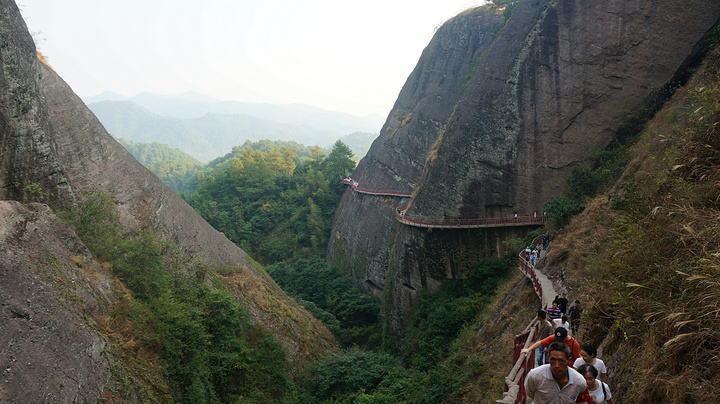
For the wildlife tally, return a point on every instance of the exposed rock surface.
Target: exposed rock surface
(489, 124)
(50, 288)
(53, 149)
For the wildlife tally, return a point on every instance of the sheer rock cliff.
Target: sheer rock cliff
(492, 120)
(53, 150)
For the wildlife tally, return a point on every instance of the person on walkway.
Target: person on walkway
(574, 313)
(562, 303)
(545, 329)
(599, 391)
(554, 311)
(556, 383)
(559, 336)
(588, 354)
(562, 322)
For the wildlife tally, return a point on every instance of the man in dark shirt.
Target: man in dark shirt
(562, 303)
(574, 313)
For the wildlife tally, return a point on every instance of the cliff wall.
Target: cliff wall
(492, 121)
(53, 150)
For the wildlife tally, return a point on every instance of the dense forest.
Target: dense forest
(274, 201)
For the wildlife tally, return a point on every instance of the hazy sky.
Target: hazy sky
(346, 56)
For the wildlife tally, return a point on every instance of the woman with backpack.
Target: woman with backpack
(599, 391)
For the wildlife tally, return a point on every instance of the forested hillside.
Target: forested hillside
(173, 166)
(274, 201)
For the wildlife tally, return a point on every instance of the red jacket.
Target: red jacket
(571, 342)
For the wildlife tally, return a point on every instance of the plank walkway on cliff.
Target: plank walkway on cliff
(446, 223)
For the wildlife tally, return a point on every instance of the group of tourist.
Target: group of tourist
(532, 252)
(572, 374)
(567, 372)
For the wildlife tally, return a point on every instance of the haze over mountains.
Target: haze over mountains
(207, 128)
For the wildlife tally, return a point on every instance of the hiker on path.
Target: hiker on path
(545, 329)
(588, 354)
(562, 303)
(556, 383)
(559, 336)
(574, 313)
(554, 311)
(599, 391)
(562, 322)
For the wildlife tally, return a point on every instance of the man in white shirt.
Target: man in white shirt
(556, 383)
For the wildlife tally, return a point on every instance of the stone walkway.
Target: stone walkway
(546, 284)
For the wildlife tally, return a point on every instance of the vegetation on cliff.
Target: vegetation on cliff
(644, 253)
(180, 337)
(173, 166)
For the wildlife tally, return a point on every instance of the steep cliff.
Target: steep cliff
(54, 150)
(51, 351)
(493, 119)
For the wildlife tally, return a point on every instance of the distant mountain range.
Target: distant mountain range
(207, 128)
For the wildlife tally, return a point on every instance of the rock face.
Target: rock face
(493, 119)
(54, 150)
(48, 352)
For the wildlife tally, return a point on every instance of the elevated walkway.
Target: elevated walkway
(478, 223)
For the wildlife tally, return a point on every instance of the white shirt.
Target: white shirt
(558, 323)
(541, 387)
(599, 365)
(597, 395)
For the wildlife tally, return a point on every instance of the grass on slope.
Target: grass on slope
(646, 257)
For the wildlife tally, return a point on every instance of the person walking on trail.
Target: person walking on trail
(556, 383)
(562, 322)
(562, 303)
(574, 312)
(599, 391)
(554, 311)
(545, 329)
(560, 335)
(588, 355)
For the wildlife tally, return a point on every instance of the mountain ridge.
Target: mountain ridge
(215, 132)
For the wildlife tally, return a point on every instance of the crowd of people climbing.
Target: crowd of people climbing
(567, 371)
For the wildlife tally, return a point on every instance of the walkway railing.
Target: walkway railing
(447, 223)
(354, 185)
(515, 380)
(468, 223)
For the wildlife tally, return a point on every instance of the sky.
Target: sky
(351, 57)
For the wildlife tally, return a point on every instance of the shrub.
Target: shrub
(560, 209)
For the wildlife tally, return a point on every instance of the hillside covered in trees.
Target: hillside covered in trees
(275, 201)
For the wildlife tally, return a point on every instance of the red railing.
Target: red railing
(447, 223)
(469, 223)
(523, 363)
(355, 187)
